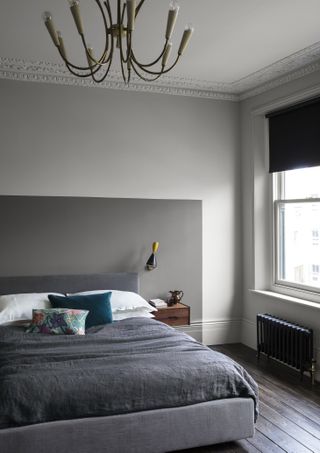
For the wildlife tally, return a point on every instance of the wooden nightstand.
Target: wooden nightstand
(176, 315)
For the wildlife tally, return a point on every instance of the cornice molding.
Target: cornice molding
(283, 71)
(293, 67)
(298, 74)
(40, 71)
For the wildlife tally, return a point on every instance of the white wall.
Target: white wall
(256, 213)
(58, 140)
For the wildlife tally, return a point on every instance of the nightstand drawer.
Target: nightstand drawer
(174, 316)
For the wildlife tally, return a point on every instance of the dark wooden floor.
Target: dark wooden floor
(289, 411)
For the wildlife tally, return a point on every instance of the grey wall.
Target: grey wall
(63, 235)
(256, 215)
(71, 141)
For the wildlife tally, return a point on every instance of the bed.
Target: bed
(160, 399)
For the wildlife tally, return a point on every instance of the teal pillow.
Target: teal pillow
(58, 321)
(98, 305)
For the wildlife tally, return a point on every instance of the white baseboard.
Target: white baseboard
(194, 330)
(249, 333)
(215, 332)
(249, 338)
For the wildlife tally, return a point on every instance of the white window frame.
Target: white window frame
(259, 234)
(317, 266)
(284, 286)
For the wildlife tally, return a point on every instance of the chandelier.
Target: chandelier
(119, 34)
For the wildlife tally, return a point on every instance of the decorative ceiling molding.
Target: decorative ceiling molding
(283, 71)
(39, 71)
(290, 68)
(286, 78)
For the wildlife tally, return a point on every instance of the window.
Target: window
(297, 229)
(316, 268)
(315, 237)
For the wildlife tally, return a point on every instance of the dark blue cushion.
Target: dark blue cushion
(98, 305)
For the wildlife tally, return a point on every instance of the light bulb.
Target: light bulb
(188, 31)
(172, 18)
(174, 5)
(46, 16)
(75, 11)
(190, 27)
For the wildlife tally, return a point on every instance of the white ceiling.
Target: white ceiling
(233, 39)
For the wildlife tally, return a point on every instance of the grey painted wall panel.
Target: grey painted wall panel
(69, 235)
(83, 142)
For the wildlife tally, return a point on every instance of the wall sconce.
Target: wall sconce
(152, 261)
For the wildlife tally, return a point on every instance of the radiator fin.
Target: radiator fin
(287, 342)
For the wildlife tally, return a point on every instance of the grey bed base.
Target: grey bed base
(155, 431)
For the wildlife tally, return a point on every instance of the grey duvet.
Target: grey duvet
(132, 365)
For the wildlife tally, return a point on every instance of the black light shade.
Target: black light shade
(294, 137)
(152, 262)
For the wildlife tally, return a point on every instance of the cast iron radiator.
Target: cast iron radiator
(287, 342)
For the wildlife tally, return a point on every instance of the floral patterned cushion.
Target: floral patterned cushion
(58, 321)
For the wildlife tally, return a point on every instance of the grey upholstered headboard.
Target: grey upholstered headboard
(69, 283)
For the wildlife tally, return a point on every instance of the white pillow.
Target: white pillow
(122, 300)
(130, 314)
(17, 307)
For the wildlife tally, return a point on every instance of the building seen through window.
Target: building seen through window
(297, 228)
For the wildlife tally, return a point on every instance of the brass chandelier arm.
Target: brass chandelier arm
(143, 77)
(97, 63)
(127, 61)
(163, 71)
(128, 39)
(102, 61)
(107, 5)
(125, 77)
(129, 49)
(104, 75)
(120, 16)
(68, 63)
(123, 13)
(139, 7)
(163, 50)
(79, 68)
(148, 65)
(105, 22)
(98, 67)
(91, 72)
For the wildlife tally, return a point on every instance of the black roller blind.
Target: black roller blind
(294, 137)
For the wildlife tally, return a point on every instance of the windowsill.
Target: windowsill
(285, 298)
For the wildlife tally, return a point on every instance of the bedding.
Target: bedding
(123, 300)
(132, 365)
(98, 306)
(18, 307)
(58, 321)
(118, 316)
